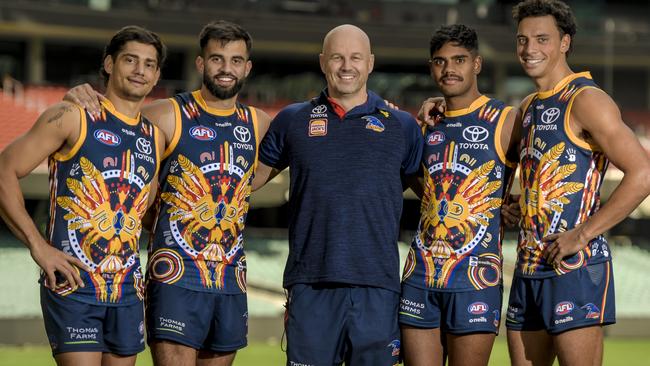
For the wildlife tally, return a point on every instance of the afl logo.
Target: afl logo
(527, 120)
(478, 308)
(550, 115)
(143, 145)
(203, 133)
(475, 133)
(319, 109)
(436, 138)
(107, 138)
(242, 134)
(564, 308)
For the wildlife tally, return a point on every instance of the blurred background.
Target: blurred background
(47, 46)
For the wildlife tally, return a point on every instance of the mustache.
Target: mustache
(227, 75)
(453, 77)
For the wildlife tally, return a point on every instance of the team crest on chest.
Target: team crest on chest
(373, 124)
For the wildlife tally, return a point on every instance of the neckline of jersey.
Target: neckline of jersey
(108, 105)
(472, 107)
(562, 83)
(215, 111)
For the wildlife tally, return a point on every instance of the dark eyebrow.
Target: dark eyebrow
(138, 57)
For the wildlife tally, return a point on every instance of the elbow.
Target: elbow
(643, 179)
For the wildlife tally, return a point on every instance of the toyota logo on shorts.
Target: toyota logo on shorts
(550, 115)
(475, 133)
(319, 109)
(143, 145)
(242, 134)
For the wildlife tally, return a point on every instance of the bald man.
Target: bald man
(347, 151)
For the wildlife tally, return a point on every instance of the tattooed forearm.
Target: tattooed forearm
(59, 114)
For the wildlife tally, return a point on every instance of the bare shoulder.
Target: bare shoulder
(263, 121)
(162, 114)
(513, 115)
(56, 130)
(63, 114)
(593, 108)
(526, 102)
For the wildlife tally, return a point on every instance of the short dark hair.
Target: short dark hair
(561, 12)
(224, 32)
(128, 34)
(459, 34)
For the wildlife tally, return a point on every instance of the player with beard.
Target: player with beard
(196, 292)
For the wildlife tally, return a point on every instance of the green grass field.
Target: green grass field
(618, 352)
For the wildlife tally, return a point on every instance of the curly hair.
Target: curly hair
(561, 12)
(459, 34)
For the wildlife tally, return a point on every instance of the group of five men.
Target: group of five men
(201, 154)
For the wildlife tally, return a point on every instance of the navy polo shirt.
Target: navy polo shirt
(345, 191)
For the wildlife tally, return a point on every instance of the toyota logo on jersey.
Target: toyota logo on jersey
(475, 133)
(242, 134)
(550, 115)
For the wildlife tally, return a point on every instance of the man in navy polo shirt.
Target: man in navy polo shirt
(347, 151)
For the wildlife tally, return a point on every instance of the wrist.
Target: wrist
(36, 243)
(584, 236)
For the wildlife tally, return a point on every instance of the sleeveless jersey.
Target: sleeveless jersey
(560, 180)
(206, 182)
(98, 195)
(457, 246)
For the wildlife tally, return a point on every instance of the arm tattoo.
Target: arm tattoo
(59, 114)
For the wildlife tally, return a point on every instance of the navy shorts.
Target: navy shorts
(580, 298)
(201, 320)
(330, 324)
(453, 312)
(74, 326)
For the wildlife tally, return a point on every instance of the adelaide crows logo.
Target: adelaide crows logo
(373, 123)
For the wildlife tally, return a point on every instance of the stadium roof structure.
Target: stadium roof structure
(400, 30)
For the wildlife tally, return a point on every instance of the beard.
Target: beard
(219, 92)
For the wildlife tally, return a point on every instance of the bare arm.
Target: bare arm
(509, 140)
(161, 113)
(150, 215)
(596, 117)
(55, 130)
(263, 172)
